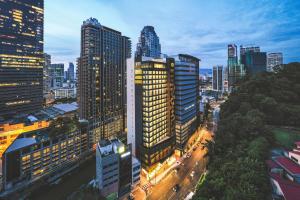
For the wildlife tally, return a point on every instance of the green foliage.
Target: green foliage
(62, 125)
(237, 157)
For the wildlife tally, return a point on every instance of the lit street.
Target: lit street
(182, 177)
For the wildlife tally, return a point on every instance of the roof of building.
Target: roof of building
(20, 143)
(66, 107)
(288, 165)
(290, 190)
(295, 152)
(271, 164)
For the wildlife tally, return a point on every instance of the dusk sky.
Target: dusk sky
(199, 28)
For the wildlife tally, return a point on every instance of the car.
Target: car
(130, 197)
(176, 188)
(192, 174)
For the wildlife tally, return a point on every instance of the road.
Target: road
(164, 191)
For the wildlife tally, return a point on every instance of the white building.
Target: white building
(274, 59)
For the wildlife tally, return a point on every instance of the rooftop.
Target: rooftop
(20, 143)
(288, 165)
(290, 190)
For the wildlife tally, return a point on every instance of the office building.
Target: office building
(218, 78)
(274, 59)
(253, 59)
(102, 78)
(71, 73)
(235, 70)
(57, 75)
(64, 92)
(186, 99)
(21, 56)
(46, 75)
(113, 168)
(136, 172)
(154, 110)
(148, 45)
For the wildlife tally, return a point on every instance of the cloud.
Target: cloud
(200, 28)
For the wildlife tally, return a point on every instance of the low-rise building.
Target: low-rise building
(113, 168)
(45, 153)
(136, 171)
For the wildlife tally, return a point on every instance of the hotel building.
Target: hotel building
(154, 110)
(102, 79)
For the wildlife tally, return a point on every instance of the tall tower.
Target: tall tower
(218, 78)
(21, 56)
(186, 99)
(102, 78)
(148, 45)
(71, 75)
(154, 110)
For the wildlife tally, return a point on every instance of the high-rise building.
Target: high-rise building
(253, 59)
(148, 45)
(21, 56)
(57, 75)
(46, 74)
(186, 99)
(218, 78)
(154, 110)
(113, 168)
(235, 71)
(71, 75)
(102, 78)
(274, 59)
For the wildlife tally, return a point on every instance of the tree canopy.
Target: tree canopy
(237, 167)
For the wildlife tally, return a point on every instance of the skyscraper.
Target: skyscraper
(102, 78)
(274, 59)
(21, 56)
(253, 59)
(186, 99)
(148, 45)
(154, 110)
(46, 74)
(218, 78)
(57, 75)
(71, 75)
(235, 70)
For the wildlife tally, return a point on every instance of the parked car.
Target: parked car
(176, 188)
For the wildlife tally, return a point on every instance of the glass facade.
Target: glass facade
(21, 56)
(148, 45)
(253, 59)
(186, 98)
(154, 118)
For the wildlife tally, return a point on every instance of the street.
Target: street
(181, 176)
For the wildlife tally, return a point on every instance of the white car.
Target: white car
(192, 174)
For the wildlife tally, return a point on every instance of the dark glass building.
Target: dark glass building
(154, 110)
(21, 56)
(186, 98)
(218, 78)
(102, 79)
(253, 59)
(236, 70)
(148, 45)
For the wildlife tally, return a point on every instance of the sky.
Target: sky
(198, 27)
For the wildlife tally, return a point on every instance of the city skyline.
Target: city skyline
(212, 27)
